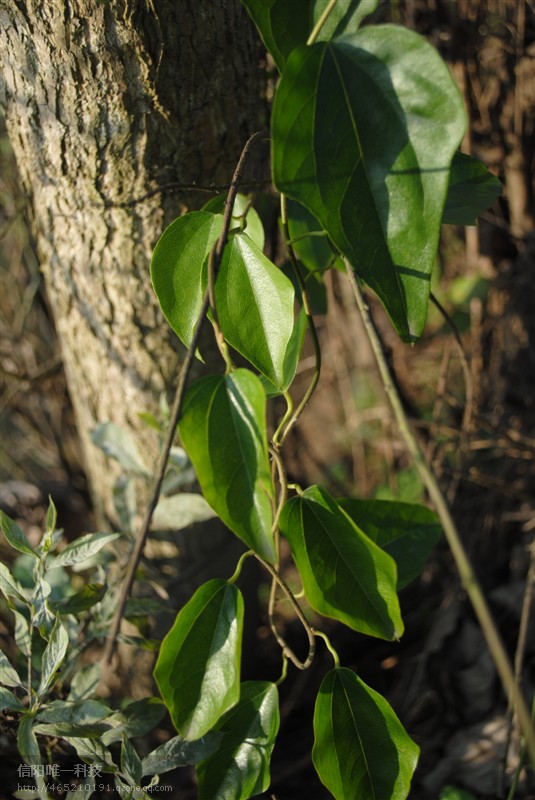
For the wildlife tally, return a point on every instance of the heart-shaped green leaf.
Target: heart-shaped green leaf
(282, 29)
(361, 749)
(345, 575)
(239, 769)
(223, 429)
(471, 190)
(179, 266)
(198, 669)
(255, 307)
(406, 531)
(364, 129)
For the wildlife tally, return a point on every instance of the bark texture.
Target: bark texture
(104, 103)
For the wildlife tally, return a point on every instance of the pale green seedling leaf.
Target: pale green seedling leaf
(223, 429)
(361, 749)
(23, 635)
(471, 190)
(179, 752)
(179, 269)
(8, 674)
(81, 712)
(239, 769)
(53, 657)
(51, 517)
(406, 531)
(255, 307)
(253, 224)
(92, 751)
(9, 701)
(86, 598)
(136, 719)
(42, 618)
(345, 575)
(364, 129)
(27, 740)
(198, 669)
(130, 762)
(119, 444)
(82, 549)
(11, 587)
(15, 537)
(90, 730)
(85, 682)
(180, 511)
(282, 29)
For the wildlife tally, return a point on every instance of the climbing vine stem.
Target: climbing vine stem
(281, 435)
(466, 572)
(176, 411)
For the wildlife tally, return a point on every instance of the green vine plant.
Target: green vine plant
(365, 130)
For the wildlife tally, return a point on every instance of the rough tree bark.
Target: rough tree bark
(105, 102)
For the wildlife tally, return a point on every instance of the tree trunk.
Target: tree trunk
(105, 103)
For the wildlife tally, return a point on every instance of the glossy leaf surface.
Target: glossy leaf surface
(361, 750)
(282, 29)
(198, 669)
(253, 224)
(239, 769)
(345, 575)
(255, 307)
(179, 268)
(406, 531)
(223, 429)
(364, 129)
(471, 190)
(291, 358)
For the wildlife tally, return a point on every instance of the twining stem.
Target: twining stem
(320, 23)
(283, 483)
(286, 649)
(239, 565)
(469, 388)
(218, 335)
(288, 413)
(330, 648)
(464, 567)
(279, 437)
(176, 411)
